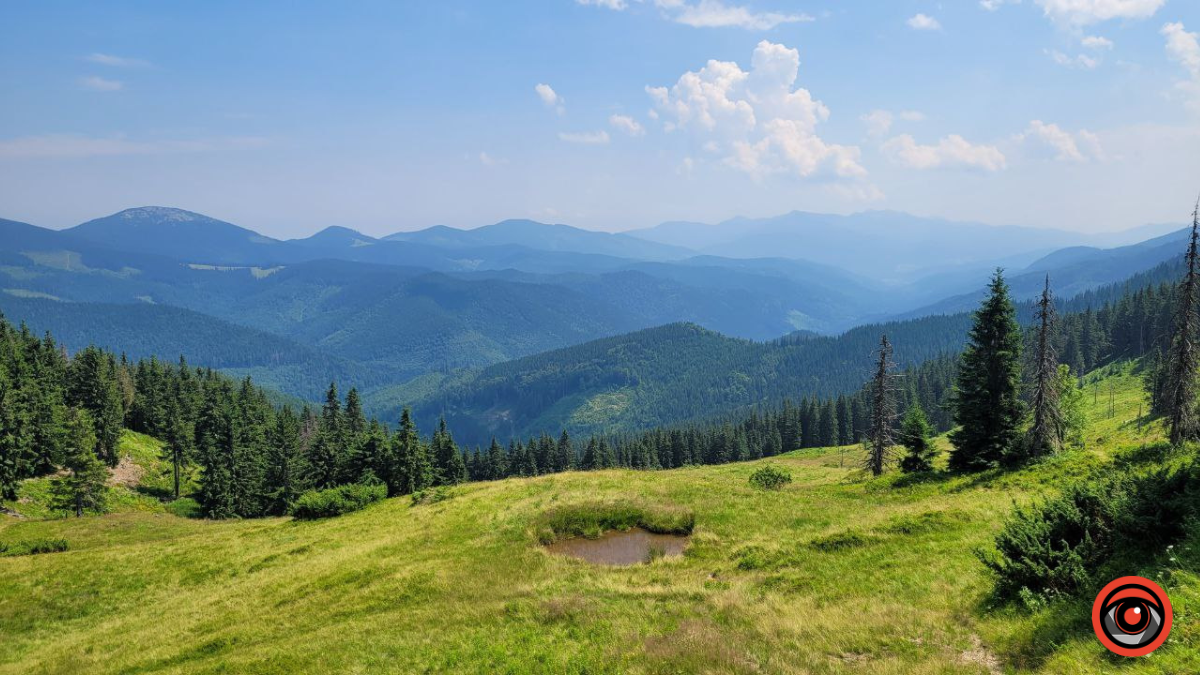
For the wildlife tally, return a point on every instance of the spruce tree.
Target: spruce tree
(284, 479)
(1183, 358)
(565, 452)
(1045, 430)
(883, 411)
(916, 437)
(326, 453)
(415, 471)
(449, 467)
(84, 488)
(987, 404)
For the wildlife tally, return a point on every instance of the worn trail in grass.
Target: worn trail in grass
(834, 573)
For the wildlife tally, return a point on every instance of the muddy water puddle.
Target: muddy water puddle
(621, 548)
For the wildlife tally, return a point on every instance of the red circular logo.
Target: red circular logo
(1132, 616)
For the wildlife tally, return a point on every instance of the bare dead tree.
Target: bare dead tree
(1046, 432)
(1183, 365)
(883, 411)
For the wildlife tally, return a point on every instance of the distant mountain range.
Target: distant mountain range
(412, 316)
(883, 245)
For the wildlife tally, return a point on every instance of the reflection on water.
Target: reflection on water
(621, 548)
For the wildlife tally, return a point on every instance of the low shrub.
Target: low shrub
(33, 547)
(1063, 545)
(593, 519)
(432, 496)
(770, 477)
(336, 501)
(841, 541)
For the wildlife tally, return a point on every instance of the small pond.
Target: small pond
(620, 548)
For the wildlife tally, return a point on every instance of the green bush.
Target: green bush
(1061, 546)
(33, 547)
(431, 496)
(841, 541)
(336, 501)
(770, 477)
(593, 519)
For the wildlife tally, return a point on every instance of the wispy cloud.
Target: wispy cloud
(710, 13)
(1096, 42)
(487, 160)
(1065, 146)
(96, 83)
(716, 14)
(1080, 61)
(550, 97)
(585, 137)
(626, 124)
(610, 4)
(1087, 12)
(116, 61)
(62, 146)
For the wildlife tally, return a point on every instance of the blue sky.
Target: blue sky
(291, 116)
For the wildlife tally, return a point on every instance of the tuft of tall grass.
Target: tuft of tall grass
(33, 547)
(593, 519)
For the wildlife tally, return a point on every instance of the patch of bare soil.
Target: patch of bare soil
(980, 655)
(126, 474)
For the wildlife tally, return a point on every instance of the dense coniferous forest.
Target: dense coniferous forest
(254, 456)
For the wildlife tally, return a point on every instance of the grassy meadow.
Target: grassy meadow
(836, 572)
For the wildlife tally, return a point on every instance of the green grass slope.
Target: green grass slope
(835, 573)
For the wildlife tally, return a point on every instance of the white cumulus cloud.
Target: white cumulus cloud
(757, 120)
(1063, 145)
(626, 124)
(584, 137)
(1096, 42)
(953, 151)
(924, 22)
(1086, 12)
(1183, 47)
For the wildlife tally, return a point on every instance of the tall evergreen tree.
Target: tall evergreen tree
(326, 453)
(883, 410)
(1045, 430)
(415, 471)
(1183, 359)
(284, 478)
(84, 488)
(449, 467)
(987, 404)
(565, 453)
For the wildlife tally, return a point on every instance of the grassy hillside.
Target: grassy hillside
(836, 573)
